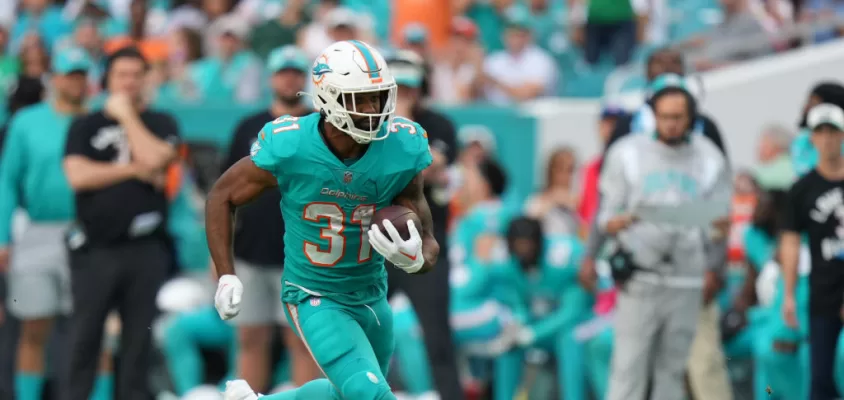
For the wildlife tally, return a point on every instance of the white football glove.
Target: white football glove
(227, 298)
(404, 254)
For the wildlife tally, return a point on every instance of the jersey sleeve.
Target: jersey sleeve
(415, 141)
(275, 144)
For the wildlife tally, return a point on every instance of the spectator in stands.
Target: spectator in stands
(258, 244)
(180, 79)
(314, 36)
(343, 24)
(523, 71)
(607, 26)
(281, 31)
(27, 92)
(660, 267)
(34, 59)
(555, 206)
(775, 169)
(234, 73)
(490, 18)
(31, 177)
(415, 39)
(456, 77)
(184, 13)
(429, 295)
(547, 18)
(654, 19)
(725, 44)
(42, 18)
(820, 11)
(115, 161)
(772, 14)
(154, 49)
(87, 37)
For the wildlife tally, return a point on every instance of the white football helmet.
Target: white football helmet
(343, 70)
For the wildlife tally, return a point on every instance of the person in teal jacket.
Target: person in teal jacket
(804, 156)
(549, 267)
(32, 178)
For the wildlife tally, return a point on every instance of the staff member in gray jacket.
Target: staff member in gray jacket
(659, 267)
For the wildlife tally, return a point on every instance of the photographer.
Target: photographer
(659, 266)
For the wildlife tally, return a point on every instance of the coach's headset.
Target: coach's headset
(672, 84)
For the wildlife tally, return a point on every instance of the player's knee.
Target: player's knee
(367, 385)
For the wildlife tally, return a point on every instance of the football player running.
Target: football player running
(334, 168)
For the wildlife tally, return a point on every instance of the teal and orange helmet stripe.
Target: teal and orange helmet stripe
(369, 59)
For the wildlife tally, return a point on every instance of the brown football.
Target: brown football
(399, 216)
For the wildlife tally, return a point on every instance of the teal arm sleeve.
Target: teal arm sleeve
(574, 303)
(12, 164)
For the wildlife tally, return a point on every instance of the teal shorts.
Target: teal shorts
(350, 344)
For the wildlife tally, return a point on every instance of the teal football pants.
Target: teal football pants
(352, 345)
(185, 335)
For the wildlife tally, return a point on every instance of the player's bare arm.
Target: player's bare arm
(239, 185)
(413, 197)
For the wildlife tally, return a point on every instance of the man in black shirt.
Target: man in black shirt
(816, 209)
(115, 161)
(259, 234)
(429, 293)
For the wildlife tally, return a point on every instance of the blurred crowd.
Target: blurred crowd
(211, 49)
(557, 334)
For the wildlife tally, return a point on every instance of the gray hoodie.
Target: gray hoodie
(641, 170)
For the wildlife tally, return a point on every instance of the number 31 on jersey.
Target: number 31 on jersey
(334, 232)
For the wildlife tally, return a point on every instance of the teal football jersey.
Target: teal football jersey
(327, 204)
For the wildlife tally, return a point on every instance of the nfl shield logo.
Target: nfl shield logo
(347, 177)
(315, 301)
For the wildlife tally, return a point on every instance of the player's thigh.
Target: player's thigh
(260, 301)
(340, 347)
(379, 330)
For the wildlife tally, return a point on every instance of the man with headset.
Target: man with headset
(660, 267)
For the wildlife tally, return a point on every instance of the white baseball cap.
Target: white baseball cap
(826, 114)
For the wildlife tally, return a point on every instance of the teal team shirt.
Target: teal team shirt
(31, 173)
(327, 204)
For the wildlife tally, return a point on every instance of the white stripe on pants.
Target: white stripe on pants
(654, 329)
